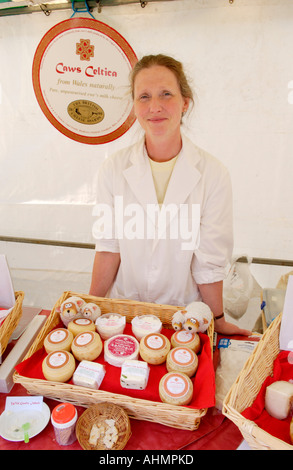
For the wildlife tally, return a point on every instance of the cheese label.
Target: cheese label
(122, 346)
(183, 336)
(147, 322)
(57, 359)
(182, 356)
(154, 341)
(82, 321)
(176, 385)
(58, 336)
(83, 339)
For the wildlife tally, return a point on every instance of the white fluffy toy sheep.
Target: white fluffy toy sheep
(91, 311)
(195, 318)
(70, 309)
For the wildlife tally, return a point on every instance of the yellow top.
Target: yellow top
(162, 172)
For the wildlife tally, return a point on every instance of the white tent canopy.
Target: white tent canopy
(239, 59)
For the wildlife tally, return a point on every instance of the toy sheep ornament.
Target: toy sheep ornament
(197, 317)
(70, 309)
(178, 320)
(91, 311)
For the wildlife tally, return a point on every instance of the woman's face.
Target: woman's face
(158, 103)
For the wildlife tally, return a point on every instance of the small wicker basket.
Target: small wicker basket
(181, 417)
(246, 387)
(98, 414)
(11, 322)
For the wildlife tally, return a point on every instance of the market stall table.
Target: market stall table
(215, 432)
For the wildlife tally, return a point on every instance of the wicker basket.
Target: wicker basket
(246, 387)
(98, 414)
(11, 322)
(175, 416)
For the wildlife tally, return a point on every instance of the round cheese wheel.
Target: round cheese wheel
(176, 388)
(119, 348)
(186, 339)
(58, 366)
(59, 339)
(182, 360)
(154, 348)
(80, 325)
(145, 324)
(87, 346)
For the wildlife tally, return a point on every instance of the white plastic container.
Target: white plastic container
(63, 418)
(110, 324)
(144, 324)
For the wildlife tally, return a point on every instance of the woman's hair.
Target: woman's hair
(169, 62)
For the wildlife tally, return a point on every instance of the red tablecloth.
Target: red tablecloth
(215, 432)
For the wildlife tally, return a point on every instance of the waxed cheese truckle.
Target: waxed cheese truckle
(182, 360)
(87, 346)
(58, 366)
(154, 348)
(80, 325)
(59, 339)
(186, 339)
(134, 374)
(176, 388)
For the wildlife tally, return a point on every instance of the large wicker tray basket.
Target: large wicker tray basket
(11, 322)
(175, 416)
(246, 387)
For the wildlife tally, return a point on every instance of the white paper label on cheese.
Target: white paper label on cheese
(57, 359)
(58, 336)
(83, 339)
(184, 336)
(155, 342)
(82, 321)
(176, 386)
(182, 356)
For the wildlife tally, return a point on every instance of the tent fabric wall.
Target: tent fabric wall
(238, 57)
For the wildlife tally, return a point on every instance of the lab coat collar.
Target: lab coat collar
(184, 178)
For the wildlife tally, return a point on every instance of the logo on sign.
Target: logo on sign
(84, 49)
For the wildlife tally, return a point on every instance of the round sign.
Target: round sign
(81, 80)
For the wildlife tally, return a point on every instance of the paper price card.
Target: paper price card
(21, 403)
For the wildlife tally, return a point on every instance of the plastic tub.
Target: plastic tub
(63, 418)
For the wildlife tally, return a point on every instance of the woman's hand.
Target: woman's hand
(225, 328)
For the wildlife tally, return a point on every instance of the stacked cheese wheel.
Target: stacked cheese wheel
(80, 325)
(176, 388)
(58, 366)
(154, 348)
(182, 360)
(87, 346)
(81, 342)
(186, 339)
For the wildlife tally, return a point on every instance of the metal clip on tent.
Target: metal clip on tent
(79, 10)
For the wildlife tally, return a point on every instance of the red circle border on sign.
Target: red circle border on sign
(66, 25)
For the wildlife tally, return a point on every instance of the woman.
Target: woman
(169, 233)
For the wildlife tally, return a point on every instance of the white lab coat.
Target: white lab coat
(158, 269)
